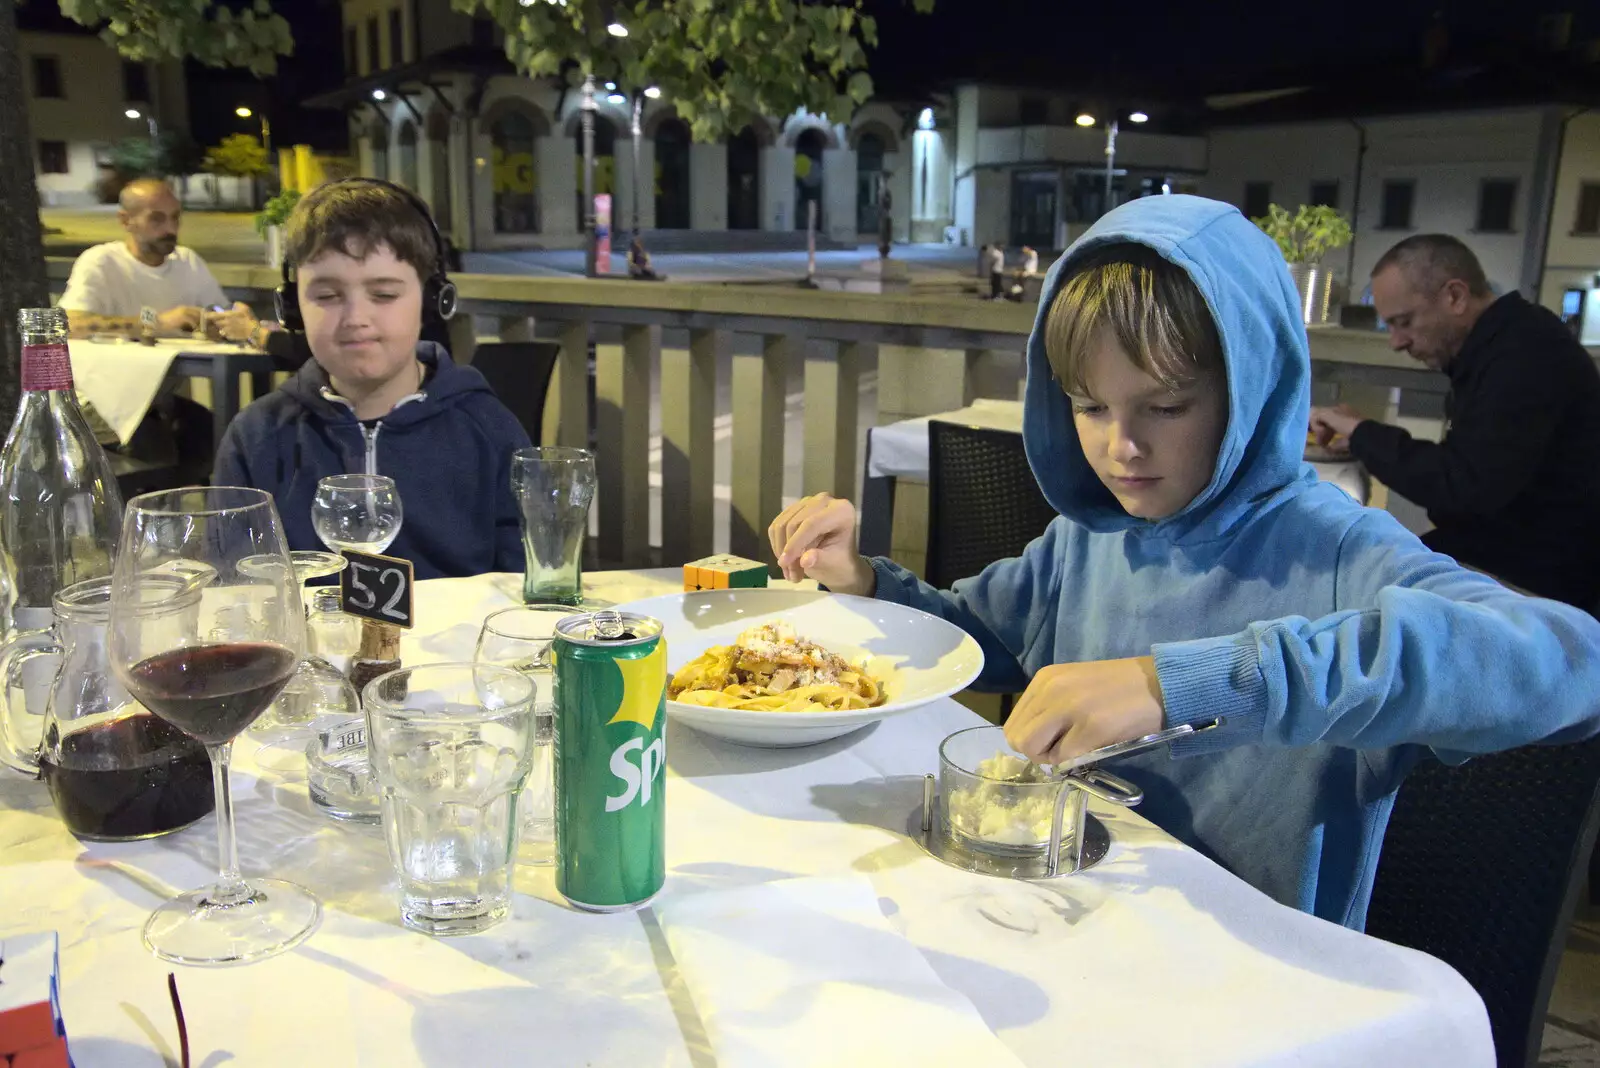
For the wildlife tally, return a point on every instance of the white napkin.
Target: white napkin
(808, 972)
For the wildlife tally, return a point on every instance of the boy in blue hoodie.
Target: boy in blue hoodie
(1199, 570)
(369, 271)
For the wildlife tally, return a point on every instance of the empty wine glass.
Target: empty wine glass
(357, 512)
(206, 645)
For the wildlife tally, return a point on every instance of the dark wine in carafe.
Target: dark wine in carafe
(130, 777)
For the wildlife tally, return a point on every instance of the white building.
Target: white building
(1519, 185)
(79, 94)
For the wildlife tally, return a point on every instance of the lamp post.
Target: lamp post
(150, 120)
(590, 251)
(1085, 120)
(266, 130)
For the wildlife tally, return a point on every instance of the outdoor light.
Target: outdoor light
(617, 29)
(1138, 116)
(617, 98)
(611, 86)
(1085, 119)
(653, 93)
(132, 113)
(925, 119)
(242, 112)
(379, 94)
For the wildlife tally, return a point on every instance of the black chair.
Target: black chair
(1482, 867)
(983, 502)
(519, 373)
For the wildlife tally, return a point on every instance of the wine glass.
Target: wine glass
(357, 512)
(206, 645)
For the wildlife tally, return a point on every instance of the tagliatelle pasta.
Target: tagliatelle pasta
(770, 669)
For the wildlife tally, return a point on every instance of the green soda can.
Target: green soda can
(610, 760)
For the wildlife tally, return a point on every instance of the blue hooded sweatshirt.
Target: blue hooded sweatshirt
(1333, 642)
(448, 449)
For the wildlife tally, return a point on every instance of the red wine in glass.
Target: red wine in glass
(130, 777)
(212, 692)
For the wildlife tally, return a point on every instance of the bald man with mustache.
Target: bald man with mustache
(111, 284)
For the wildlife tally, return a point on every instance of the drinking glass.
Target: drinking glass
(450, 746)
(520, 638)
(293, 716)
(358, 512)
(207, 648)
(554, 487)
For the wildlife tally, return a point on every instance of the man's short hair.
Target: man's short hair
(136, 192)
(355, 217)
(1149, 305)
(1430, 260)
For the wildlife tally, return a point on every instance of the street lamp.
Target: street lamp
(1085, 119)
(617, 29)
(155, 133)
(591, 253)
(266, 130)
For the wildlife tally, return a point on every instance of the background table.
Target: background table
(123, 378)
(1155, 957)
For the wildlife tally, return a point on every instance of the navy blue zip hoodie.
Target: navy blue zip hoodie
(448, 449)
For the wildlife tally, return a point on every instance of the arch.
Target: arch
(437, 126)
(874, 128)
(515, 104)
(672, 139)
(407, 150)
(801, 125)
(514, 175)
(659, 117)
(615, 115)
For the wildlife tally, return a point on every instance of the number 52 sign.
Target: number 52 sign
(377, 588)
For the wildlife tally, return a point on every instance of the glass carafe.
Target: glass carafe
(115, 771)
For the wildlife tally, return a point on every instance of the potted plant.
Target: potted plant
(270, 220)
(1304, 238)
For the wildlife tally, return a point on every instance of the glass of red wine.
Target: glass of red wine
(207, 645)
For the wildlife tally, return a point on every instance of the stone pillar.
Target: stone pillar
(839, 194)
(557, 184)
(777, 188)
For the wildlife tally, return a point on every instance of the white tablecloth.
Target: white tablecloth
(900, 450)
(123, 378)
(1155, 957)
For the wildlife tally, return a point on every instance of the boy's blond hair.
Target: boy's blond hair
(1149, 305)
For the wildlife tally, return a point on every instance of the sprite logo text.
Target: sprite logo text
(636, 778)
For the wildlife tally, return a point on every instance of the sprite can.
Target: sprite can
(610, 760)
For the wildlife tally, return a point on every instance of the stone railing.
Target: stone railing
(930, 355)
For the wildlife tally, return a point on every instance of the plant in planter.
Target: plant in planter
(1304, 238)
(270, 220)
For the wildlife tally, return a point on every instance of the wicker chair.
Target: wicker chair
(1482, 867)
(519, 373)
(983, 502)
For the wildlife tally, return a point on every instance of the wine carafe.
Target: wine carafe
(115, 771)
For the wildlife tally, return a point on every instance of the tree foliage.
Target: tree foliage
(240, 155)
(721, 63)
(252, 36)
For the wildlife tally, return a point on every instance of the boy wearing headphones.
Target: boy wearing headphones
(368, 273)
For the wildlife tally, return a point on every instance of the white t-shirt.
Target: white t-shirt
(1030, 262)
(997, 259)
(108, 280)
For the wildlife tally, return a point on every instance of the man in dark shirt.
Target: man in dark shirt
(1514, 487)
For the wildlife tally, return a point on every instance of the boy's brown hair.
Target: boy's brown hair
(1149, 305)
(356, 217)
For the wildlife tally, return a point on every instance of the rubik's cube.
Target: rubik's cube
(724, 572)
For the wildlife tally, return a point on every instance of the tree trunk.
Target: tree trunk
(22, 278)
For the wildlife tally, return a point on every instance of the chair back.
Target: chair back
(519, 373)
(983, 502)
(1482, 866)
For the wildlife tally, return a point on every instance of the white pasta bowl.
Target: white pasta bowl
(918, 657)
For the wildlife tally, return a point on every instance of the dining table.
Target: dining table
(122, 377)
(801, 923)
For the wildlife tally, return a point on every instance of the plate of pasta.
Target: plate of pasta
(776, 667)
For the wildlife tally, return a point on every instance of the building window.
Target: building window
(1497, 197)
(1588, 220)
(53, 157)
(1033, 111)
(1324, 194)
(373, 61)
(397, 41)
(135, 82)
(47, 78)
(515, 176)
(1257, 199)
(351, 52)
(1398, 195)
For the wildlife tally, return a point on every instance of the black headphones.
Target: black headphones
(439, 296)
